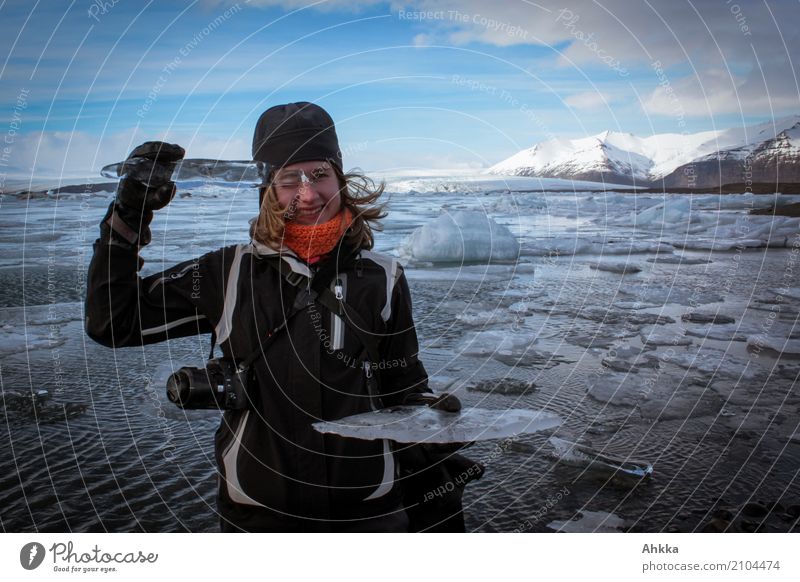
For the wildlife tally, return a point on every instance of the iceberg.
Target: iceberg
(462, 236)
(417, 424)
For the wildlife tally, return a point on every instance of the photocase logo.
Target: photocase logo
(31, 555)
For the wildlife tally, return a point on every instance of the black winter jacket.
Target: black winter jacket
(274, 468)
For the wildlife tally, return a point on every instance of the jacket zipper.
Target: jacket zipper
(339, 286)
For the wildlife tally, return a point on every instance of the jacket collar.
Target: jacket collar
(345, 254)
(286, 254)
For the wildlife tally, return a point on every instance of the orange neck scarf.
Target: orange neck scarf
(311, 241)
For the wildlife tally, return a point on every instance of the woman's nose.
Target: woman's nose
(306, 191)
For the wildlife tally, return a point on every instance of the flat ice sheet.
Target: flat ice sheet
(414, 424)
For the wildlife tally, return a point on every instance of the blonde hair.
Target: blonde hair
(359, 195)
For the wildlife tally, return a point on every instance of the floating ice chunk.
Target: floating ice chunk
(713, 362)
(636, 305)
(619, 268)
(662, 295)
(569, 246)
(679, 401)
(511, 349)
(678, 260)
(440, 383)
(427, 271)
(774, 231)
(525, 290)
(633, 247)
(717, 244)
(657, 335)
(462, 236)
(559, 247)
(415, 424)
(517, 205)
(571, 453)
(488, 343)
(715, 318)
(621, 389)
(506, 386)
(629, 359)
(590, 521)
(594, 341)
(725, 332)
(483, 318)
(776, 344)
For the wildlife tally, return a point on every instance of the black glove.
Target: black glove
(446, 402)
(145, 188)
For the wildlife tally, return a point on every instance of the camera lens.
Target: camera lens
(178, 387)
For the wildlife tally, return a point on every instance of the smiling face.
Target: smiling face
(309, 191)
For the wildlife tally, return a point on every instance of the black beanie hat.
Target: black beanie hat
(296, 132)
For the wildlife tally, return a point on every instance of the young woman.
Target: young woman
(329, 322)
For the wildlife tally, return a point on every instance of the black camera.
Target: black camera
(220, 385)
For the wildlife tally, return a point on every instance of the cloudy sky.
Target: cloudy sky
(438, 84)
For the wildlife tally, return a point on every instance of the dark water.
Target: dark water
(103, 451)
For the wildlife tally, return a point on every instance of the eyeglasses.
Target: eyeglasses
(293, 180)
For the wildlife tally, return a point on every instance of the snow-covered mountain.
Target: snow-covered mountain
(768, 152)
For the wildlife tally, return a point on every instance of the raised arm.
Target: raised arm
(123, 309)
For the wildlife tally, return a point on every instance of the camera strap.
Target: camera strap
(304, 298)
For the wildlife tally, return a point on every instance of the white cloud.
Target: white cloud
(588, 100)
(719, 92)
(422, 40)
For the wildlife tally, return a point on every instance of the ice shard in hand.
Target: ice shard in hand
(235, 172)
(416, 424)
(571, 453)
